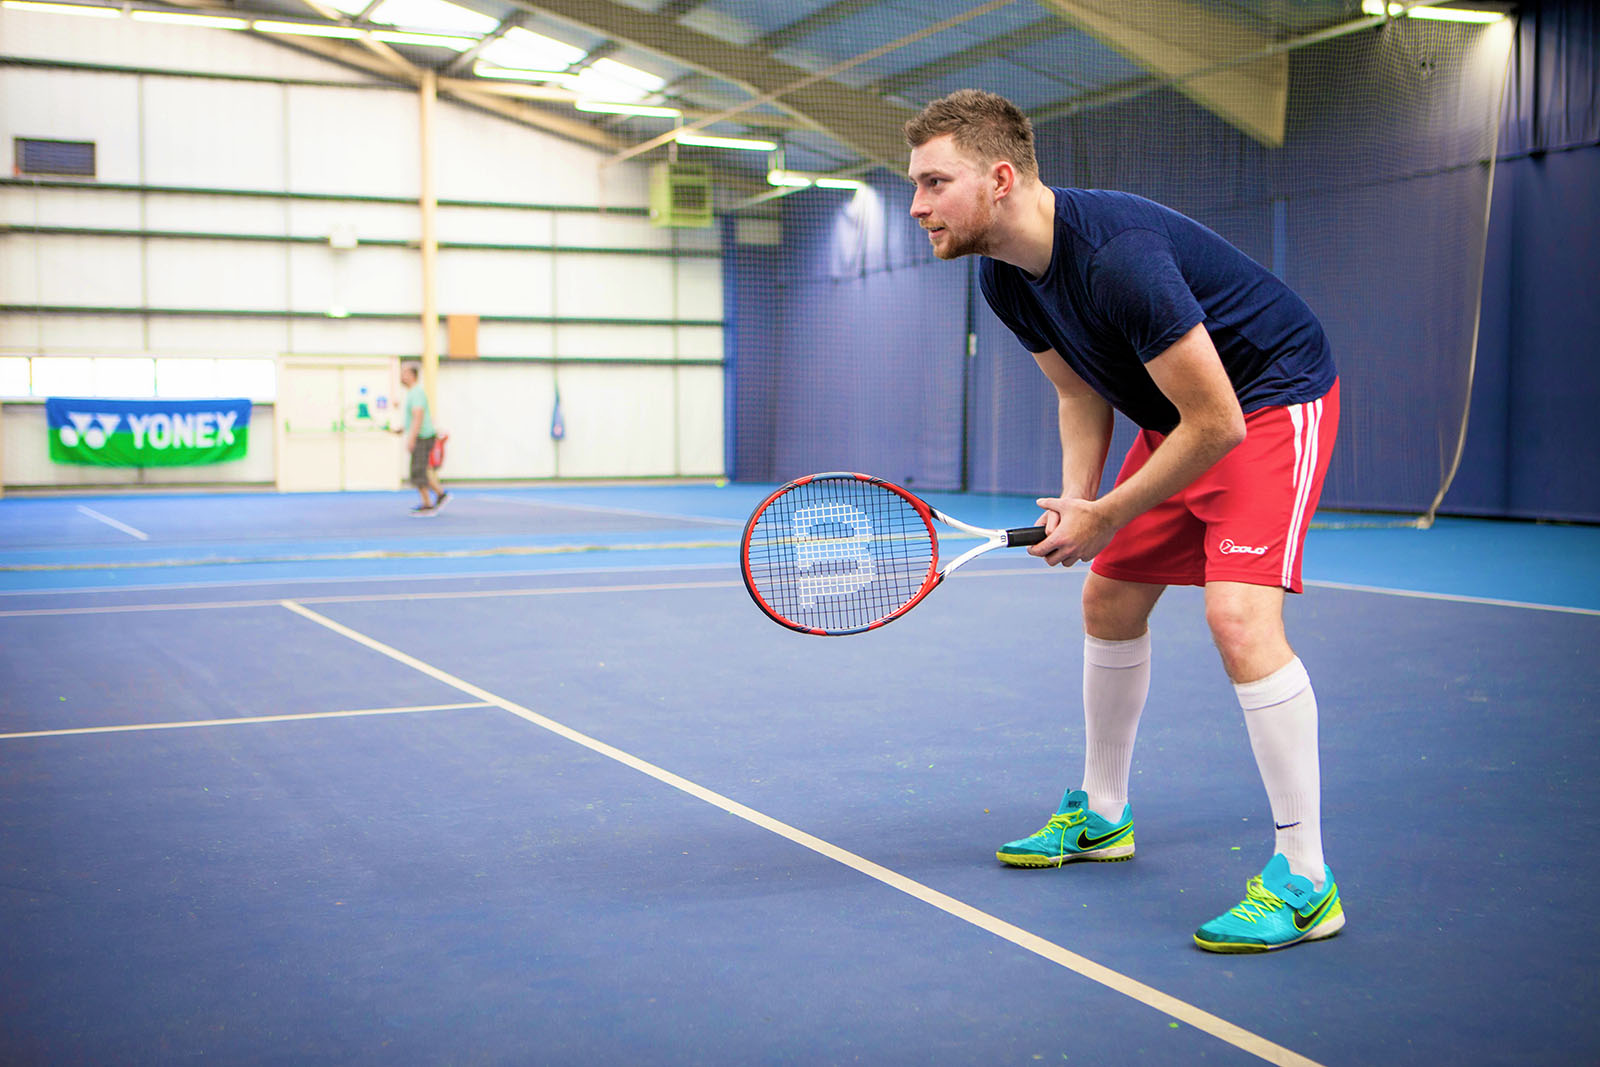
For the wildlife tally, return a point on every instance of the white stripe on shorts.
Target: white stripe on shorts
(1307, 419)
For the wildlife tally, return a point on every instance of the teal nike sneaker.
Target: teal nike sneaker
(1279, 909)
(1073, 833)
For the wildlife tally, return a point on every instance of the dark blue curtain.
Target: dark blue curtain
(1537, 385)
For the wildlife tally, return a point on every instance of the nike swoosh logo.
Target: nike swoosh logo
(1306, 922)
(1086, 842)
(1286, 826)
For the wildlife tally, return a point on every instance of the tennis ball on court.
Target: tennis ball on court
(721, 483)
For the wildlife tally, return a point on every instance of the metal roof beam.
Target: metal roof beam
(1198, 52)
(863, 121)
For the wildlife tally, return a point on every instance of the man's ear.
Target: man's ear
(1002, 179)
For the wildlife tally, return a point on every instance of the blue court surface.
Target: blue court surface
(301, 779)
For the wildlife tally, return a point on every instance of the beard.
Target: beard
(972, 239)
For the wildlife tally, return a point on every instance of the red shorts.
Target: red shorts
(1245, 519)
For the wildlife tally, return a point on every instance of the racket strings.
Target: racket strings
(839, 554)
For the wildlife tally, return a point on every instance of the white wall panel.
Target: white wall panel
(361, 279)
(213, 134)
(618, 422)
(355, 337)
(495, 225)
(700, 342)
(615, 342)
(231, 275)
(481, 157)
(585, 230)
(75, 105)
(347, 141)
(700, 289)
(69, 207)
(81, 271)
(609, 286)
(700, 420)
(72, 334)
(498, 419)
(186, 213)
(218, 337)
(515, 339)
(370, 222)
(707, 239)
(481, 282)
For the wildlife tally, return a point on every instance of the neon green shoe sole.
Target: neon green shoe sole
(1074, 833)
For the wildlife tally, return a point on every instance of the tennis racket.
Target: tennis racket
(842, 553)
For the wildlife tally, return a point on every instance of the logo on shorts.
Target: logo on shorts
(1228, 548)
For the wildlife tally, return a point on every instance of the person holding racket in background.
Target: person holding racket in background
(419, 434)
(1131, 306)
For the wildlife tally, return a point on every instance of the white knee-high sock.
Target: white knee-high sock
(1116, 680)
(1280, 713)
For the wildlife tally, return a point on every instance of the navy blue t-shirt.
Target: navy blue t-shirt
(1128, 277)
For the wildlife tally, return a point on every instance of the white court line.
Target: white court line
(1455, 598)
(633, 512)
(1165, 1003)
(359, 579)
(192, 723)
(109, 521)
(365, 598)
(978, 571)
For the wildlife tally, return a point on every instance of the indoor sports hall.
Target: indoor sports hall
(296, 768)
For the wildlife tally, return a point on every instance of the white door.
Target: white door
(332, 424)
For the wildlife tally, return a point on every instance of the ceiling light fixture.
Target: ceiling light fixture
(740, 143)
(604, 107)
(184, 18)
(489, 70)
(1425, 11)
(306, 29)
(62, 9)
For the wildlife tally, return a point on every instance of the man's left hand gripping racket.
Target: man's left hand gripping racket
(842, 553)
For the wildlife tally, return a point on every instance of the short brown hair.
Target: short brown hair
(985, 126)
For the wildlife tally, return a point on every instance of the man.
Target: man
(1126, 304)
(419, 437)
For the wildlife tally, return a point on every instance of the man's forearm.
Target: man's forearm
(1085, 425)
(1187, 452)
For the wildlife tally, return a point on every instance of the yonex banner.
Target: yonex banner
(147, 433)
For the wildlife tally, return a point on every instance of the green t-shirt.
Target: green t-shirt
(417, 397)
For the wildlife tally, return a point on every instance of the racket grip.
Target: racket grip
(1024, 536)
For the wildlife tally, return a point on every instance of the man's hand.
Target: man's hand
(1074, 530)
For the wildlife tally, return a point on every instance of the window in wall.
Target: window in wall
(35, 155)
(133, 376)
(63, 376)
(13, 377)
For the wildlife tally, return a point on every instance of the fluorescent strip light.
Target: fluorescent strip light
(1437, 14)
(306, 29)
(1454, 14)
(703, 141)
(63, 9)
(602, 107)
(487, 70)
(839, 183)
(788, 179)
(426, 40)
(182, 18)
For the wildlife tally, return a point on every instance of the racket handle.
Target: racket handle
(1024, 536)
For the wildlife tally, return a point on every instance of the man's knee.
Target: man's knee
(1246, 624)
(1115, 610)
